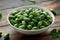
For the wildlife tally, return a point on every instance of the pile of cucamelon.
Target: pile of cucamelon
(30, 18)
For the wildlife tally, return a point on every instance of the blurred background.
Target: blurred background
(6, 4)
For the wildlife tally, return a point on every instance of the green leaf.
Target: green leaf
(0, 15)
(59, 32)
(53, 11)
(0, 34)
(54, 33)
(6, 37)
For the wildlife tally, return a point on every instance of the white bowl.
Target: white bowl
(32, 32)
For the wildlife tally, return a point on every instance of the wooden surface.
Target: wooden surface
(6, 28)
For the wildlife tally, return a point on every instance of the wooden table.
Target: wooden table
(6, 28)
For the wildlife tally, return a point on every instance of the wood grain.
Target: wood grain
(18, 36)
(3, 21)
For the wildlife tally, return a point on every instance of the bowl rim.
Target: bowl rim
(44, 8)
